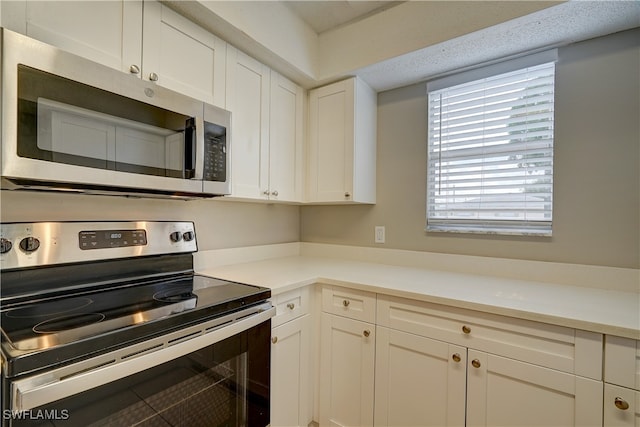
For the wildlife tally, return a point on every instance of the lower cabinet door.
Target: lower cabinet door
(347, 362)
(419, 381)
(621, 406)
(505, 392)
(290, 373)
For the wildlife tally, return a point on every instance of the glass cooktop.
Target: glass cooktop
(163, 304)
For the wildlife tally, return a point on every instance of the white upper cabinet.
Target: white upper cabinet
(342, 143)
(267, 120)
(180, 55)
(143, 38)
(107, 32)
(285, 140)
(248, 84)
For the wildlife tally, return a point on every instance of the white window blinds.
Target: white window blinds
(490, 153)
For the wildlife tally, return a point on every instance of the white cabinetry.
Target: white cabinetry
(291, 389)
(514, 372)
(107, 32)
(182, 56)
(622, 382)
(286, 139)
(267, 133)
(419, 381)
(342, 143)
(347, 358)
(144, 38)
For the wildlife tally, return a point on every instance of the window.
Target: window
(490, 149)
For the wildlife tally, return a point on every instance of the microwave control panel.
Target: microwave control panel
(215, 153)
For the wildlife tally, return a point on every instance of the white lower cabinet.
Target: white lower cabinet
(621, 406)
(291, 385)
(506, 392)
(622, 382)
(290, 379)
(347, 359)
(419, 381)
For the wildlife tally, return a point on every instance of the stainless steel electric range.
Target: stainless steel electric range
(106, 323)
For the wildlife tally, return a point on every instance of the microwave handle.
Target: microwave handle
(190, 149)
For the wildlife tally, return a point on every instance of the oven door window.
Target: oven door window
(225, 384)
(69, 122)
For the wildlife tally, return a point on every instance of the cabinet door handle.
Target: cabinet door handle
(475, 363)
(266, 192)
(466, 329)
(274, 193)
(345, 303)
(274, 340)
(134, 69)
(366, 333)
(153, 77)
(347, 195)
(621, 403)
(456, 357)
(291, 306)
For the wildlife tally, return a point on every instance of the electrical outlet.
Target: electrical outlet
(379, 235)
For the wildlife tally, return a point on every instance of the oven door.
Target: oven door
(217, 378)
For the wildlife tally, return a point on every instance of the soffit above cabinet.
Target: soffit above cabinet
(401, 43)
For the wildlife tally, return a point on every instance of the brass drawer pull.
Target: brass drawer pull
(475, 363)
(456, 357)
(466, 329)
(366, 333)
(274, 340)
(291, 306)
(345, 303)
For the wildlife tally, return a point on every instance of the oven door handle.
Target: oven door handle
(42, 389)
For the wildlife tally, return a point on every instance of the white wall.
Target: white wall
(596, 170)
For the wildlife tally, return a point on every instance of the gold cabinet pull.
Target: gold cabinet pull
(475, 363)
(466, 329)
(274, 340)
(291, 306)
(456, 357)
(345, 303)
(621, 403)
(366, 333)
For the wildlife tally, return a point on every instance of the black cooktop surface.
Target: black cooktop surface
(68, 328)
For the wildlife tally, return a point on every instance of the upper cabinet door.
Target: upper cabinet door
(285, 140)
(107, 32)
(182, 56)
(248, 83)
(342, 143)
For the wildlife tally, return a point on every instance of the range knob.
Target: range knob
(5, 245)
(176, 236)
(188, 236)
(29, 244)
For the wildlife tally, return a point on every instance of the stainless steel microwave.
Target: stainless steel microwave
(71, 124)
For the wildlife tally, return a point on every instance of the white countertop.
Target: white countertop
(612, 312)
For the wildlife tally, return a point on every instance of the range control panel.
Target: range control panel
(111, 239)
(46, 243)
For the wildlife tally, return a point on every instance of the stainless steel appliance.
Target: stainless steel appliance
(71, 124)
(105, 323)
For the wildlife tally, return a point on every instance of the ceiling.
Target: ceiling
(327, 15)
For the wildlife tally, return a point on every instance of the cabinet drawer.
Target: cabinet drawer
(290, 305)
(622, 362)
(551, 346)
(351, 303)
